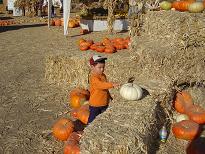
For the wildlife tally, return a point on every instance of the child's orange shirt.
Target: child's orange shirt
(99, 94)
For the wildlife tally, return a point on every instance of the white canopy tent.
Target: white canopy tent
(66, 13)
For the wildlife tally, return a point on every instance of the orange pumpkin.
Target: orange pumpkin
(93, 47)
(106, 41)
(62, 129)
(52, 23)
(71, 147)
(100, 49)
(84, 47)
(83, 113)
(187, 97)
(71, 24)
(78, 96)
(81, 40)
(180, 105)
(197, 114)
(109, 49)
(186, 129)
(119, 46)
(57, 22)
(181, 5)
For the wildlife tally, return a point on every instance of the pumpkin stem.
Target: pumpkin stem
(131, 80)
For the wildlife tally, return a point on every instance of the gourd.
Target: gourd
(62, 129)
(181, 117)
(186, 129)
(131, 91)
(196, 7)
(165, 5)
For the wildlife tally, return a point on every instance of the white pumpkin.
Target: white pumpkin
(130, 91)
(181, 117)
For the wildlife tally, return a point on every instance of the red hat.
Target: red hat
(97, 58)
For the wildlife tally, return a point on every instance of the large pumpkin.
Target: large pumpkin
(62, 129)
(130, 91)
(197, 114)
(78, 96)
(186, 129)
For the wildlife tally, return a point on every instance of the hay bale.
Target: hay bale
(158, 60)
(181, 29)
(125, 127)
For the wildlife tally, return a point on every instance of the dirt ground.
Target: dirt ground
(29, 105)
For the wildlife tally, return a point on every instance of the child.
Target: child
(99, 94)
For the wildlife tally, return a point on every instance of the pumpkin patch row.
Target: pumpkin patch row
(184, 5)
(60, 22)
(106, 45)
(6, 22)
(188, 125)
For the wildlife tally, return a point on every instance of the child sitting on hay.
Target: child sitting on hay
(99, 94)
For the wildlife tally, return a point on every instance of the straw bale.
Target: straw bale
(181, 29)
(126, 127)
(169, 64)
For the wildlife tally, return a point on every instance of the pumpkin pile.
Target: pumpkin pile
(73, 22)
(64, 130)
(184, 5)
(6, 22)
(79, 104)
(106, 45)
(189, 122)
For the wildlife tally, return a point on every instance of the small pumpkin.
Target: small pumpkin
(197, 114)
(119, 46)
(180, 104)
(186, 129)
(83, 113)
(71, 24)
(84, 47)
(181, 5)
(186, 96)
(181, 117)
(71, 147)
(52, 23)
(78, 97)
(80, 41)
(100, 49)
(62, 129)
(109, 49)
(196, 7)
(57, 22)
(131, 91)
(106, 41)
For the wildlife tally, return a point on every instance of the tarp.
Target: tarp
(66, 13)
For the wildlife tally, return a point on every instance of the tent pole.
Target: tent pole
(66, 15)
(49, 12)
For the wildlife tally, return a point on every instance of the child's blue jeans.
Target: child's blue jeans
(95, 111)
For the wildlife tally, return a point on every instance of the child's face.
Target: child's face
(98, 68)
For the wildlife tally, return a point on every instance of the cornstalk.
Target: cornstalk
(110, 5)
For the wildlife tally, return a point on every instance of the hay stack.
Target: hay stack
(181, 29)
(126, 127)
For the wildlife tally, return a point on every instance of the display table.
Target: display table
(101, 25)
